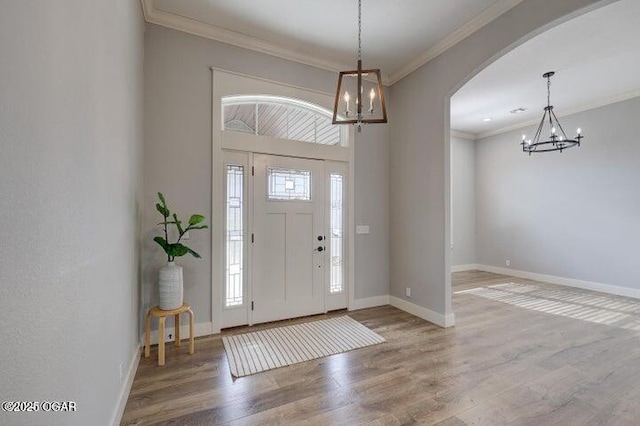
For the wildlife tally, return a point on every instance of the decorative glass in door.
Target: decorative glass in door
(336, 240)
(234, 288)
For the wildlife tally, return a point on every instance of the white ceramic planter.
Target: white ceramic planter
(170, 286)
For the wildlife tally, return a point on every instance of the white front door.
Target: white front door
(289, 238)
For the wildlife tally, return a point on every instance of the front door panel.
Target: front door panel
(288, 258)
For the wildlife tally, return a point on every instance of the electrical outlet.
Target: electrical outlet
(508, 262)
(407, 292)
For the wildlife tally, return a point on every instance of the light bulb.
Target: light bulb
(372, 95)
(528, 142)
(553, 130)
(579, 130)
(346, 103)
(524, 137)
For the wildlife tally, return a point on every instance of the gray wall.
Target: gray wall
(463, 199)
(372, 208)
(177, 154)
(419, 154)
(573, 215)
(71, 141)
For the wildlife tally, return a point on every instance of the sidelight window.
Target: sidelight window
(235, 236)
(336, 240)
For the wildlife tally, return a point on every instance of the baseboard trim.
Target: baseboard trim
(126, 387)
(199, 329)
(463, 268)
(444, 321)
(569, 282)
(369, 302)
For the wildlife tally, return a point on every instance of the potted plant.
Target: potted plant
(170, 282)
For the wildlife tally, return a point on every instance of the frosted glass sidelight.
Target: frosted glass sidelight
(235, 237)
(336, 241)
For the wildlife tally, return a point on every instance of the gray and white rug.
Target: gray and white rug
(263, 350)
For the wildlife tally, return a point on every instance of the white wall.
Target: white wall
(419, 154)
(571, 215)
(177, 155)
(463, 201)
(71, 139)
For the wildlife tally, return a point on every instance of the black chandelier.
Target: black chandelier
(558, 140)
(356, 81)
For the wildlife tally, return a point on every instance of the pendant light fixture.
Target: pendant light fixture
(352, 85)
(558, 140)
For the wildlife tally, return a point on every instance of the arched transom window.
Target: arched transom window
(280, 117)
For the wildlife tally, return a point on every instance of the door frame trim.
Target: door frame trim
(229, 83)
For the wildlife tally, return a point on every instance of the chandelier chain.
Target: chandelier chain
(549, 91)
(359, 29)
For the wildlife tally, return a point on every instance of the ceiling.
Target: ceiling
(397, 36)
(596, 57)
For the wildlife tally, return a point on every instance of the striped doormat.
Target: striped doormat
(263, 350)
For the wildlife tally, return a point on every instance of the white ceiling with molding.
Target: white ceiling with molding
(397, 36)
(596, 57)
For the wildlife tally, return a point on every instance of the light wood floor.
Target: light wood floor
(501, 364)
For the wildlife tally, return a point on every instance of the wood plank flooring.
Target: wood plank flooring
(502, 364)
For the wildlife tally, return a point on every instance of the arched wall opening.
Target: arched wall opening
(420, 158)
(566, 217)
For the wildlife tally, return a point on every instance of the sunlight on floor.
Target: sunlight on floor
(593, 307)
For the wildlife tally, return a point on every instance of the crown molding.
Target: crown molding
(198, 28)
(571, 111)
(488, 15)
(463, 135)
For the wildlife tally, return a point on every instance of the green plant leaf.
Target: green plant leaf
(162, 243)
(195, 219)
(177, 250)
(163, 211)
(161, 197)
(194, 254)
(198, 227)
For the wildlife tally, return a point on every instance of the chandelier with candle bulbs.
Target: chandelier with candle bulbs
(353, 86)
(558, 140)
